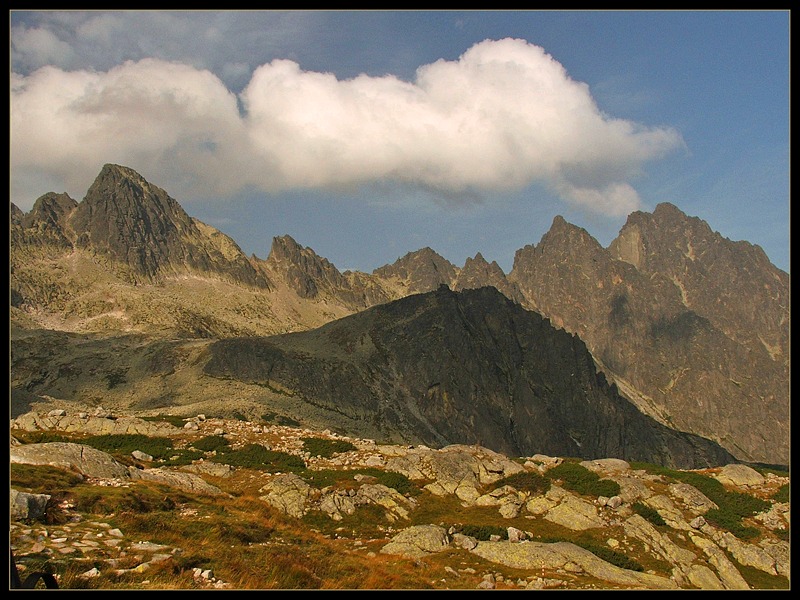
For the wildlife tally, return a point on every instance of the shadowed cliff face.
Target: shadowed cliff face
(468, 367)
(657, 311)
(135, 222)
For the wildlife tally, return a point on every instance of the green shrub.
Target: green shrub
(256, 456)
(743, 505)
(736, 503)
(324, 447)
(328, 477)
(577, 478)
(648, 513)
(782, 495)
(725, 519)
(526, 481)
(125, 443)
(732, 506)
(322, 478)
(652, 468)
(611, 556)
(279, 419)
(711, 487)
(184, 456)
(484, 532)
(398, 481)
(210, 443)
(171, 419)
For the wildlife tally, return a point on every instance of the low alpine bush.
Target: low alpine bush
(577, 478)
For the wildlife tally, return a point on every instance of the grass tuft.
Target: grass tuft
(256, 456)
(577, 478)
(324, 447)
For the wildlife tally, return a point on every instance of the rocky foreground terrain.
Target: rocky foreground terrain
(321, 510)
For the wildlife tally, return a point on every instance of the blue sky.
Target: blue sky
(367, 135)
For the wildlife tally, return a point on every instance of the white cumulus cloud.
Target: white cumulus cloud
(502, 116)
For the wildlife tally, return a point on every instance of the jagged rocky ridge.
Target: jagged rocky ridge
(691, 327)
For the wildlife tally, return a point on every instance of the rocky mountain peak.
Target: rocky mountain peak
(733, 284)
(45, 224)
(136, 229)
(302, 269)
(16, 214)
(420, 271)
(478, 272)
(137, 223)
(284, 246)
(568, 236)
(50, 210)
(670, 291)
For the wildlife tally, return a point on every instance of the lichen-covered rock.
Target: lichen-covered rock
(692, 498)
(703, 578)
(27, 506)
(637, 527)
(747, 554)
(397, 506)
(418, 541)
(606, 466)
(632, 489)
(576, 514)
(288, 493)
(729, 575)
(455, 469)
(668, 511)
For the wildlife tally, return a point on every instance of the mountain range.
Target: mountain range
(670, 345)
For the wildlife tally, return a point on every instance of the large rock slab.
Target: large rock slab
(574, 513)
(661, 545)
(86, 460)
(739, 475)
(728, 574)
(182, 481)
(92, 424)
(538, 555)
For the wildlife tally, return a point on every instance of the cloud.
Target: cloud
(502, 116)
(37, 45)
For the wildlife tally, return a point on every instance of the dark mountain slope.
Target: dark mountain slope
(467, 367)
